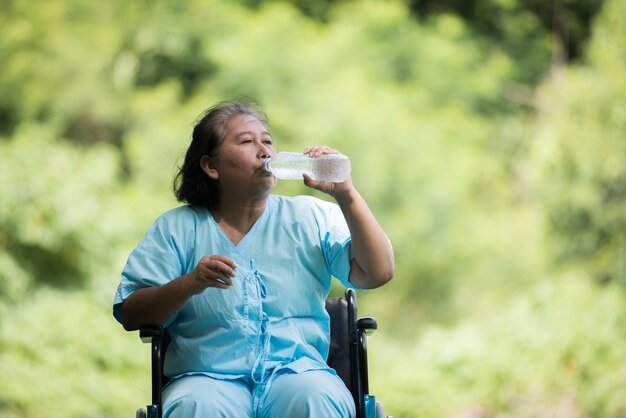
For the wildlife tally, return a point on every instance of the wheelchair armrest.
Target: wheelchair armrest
(147, 332)
(367, 324)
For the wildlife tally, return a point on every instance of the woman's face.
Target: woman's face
(239, 166)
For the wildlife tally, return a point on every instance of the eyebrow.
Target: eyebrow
(252, 133)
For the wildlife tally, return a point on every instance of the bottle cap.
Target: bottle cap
(266, 166)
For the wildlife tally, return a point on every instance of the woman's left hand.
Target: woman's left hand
(325, 186)
(372, 264)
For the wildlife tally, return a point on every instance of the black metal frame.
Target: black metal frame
(343, 313)
(359, 329)
(159, 339)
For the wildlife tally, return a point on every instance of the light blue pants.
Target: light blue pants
(312, 394)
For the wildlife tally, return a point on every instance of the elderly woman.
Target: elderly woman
(239, 276)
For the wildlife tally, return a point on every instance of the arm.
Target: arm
(373, 262)
(155, 305)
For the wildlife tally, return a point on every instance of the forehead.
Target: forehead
(243, 123)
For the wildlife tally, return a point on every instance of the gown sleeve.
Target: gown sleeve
(157, 259)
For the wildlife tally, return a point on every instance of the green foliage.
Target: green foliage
(555, 351)
(53, 216)
(482, 183)
(516, 23)
(61, 355)
(580, 155)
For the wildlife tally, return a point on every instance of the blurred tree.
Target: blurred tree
(569, 20)
(580, 154)
(55, 224)
(519, 27)
(421, 104)
(97, 101)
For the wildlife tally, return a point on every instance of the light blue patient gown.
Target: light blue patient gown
(257, 349)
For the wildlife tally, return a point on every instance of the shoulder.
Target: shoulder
(182, 217)
(302, 208)
(302, 203)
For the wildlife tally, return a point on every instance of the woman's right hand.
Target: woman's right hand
(212, 271)
(155, 305)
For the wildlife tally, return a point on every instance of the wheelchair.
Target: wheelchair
(347, 355)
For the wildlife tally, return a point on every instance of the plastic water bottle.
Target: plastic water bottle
(292, 166)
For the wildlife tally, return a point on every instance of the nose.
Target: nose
(264, 152)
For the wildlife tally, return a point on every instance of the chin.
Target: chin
(270, 181)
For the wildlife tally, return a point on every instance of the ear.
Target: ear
(208, 166)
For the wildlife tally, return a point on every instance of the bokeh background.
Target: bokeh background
(488, 136)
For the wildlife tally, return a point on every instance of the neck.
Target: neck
(236, 219)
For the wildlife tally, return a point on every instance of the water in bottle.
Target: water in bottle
(292, 166)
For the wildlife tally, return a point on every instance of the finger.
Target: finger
(317, 151)
(222, 281)
(217, 279)
(224, 260)
(212, 273)
(216, 275)
(224, 268)
(220, 264)
(321, 150)
(309, 182)
(314, 151)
